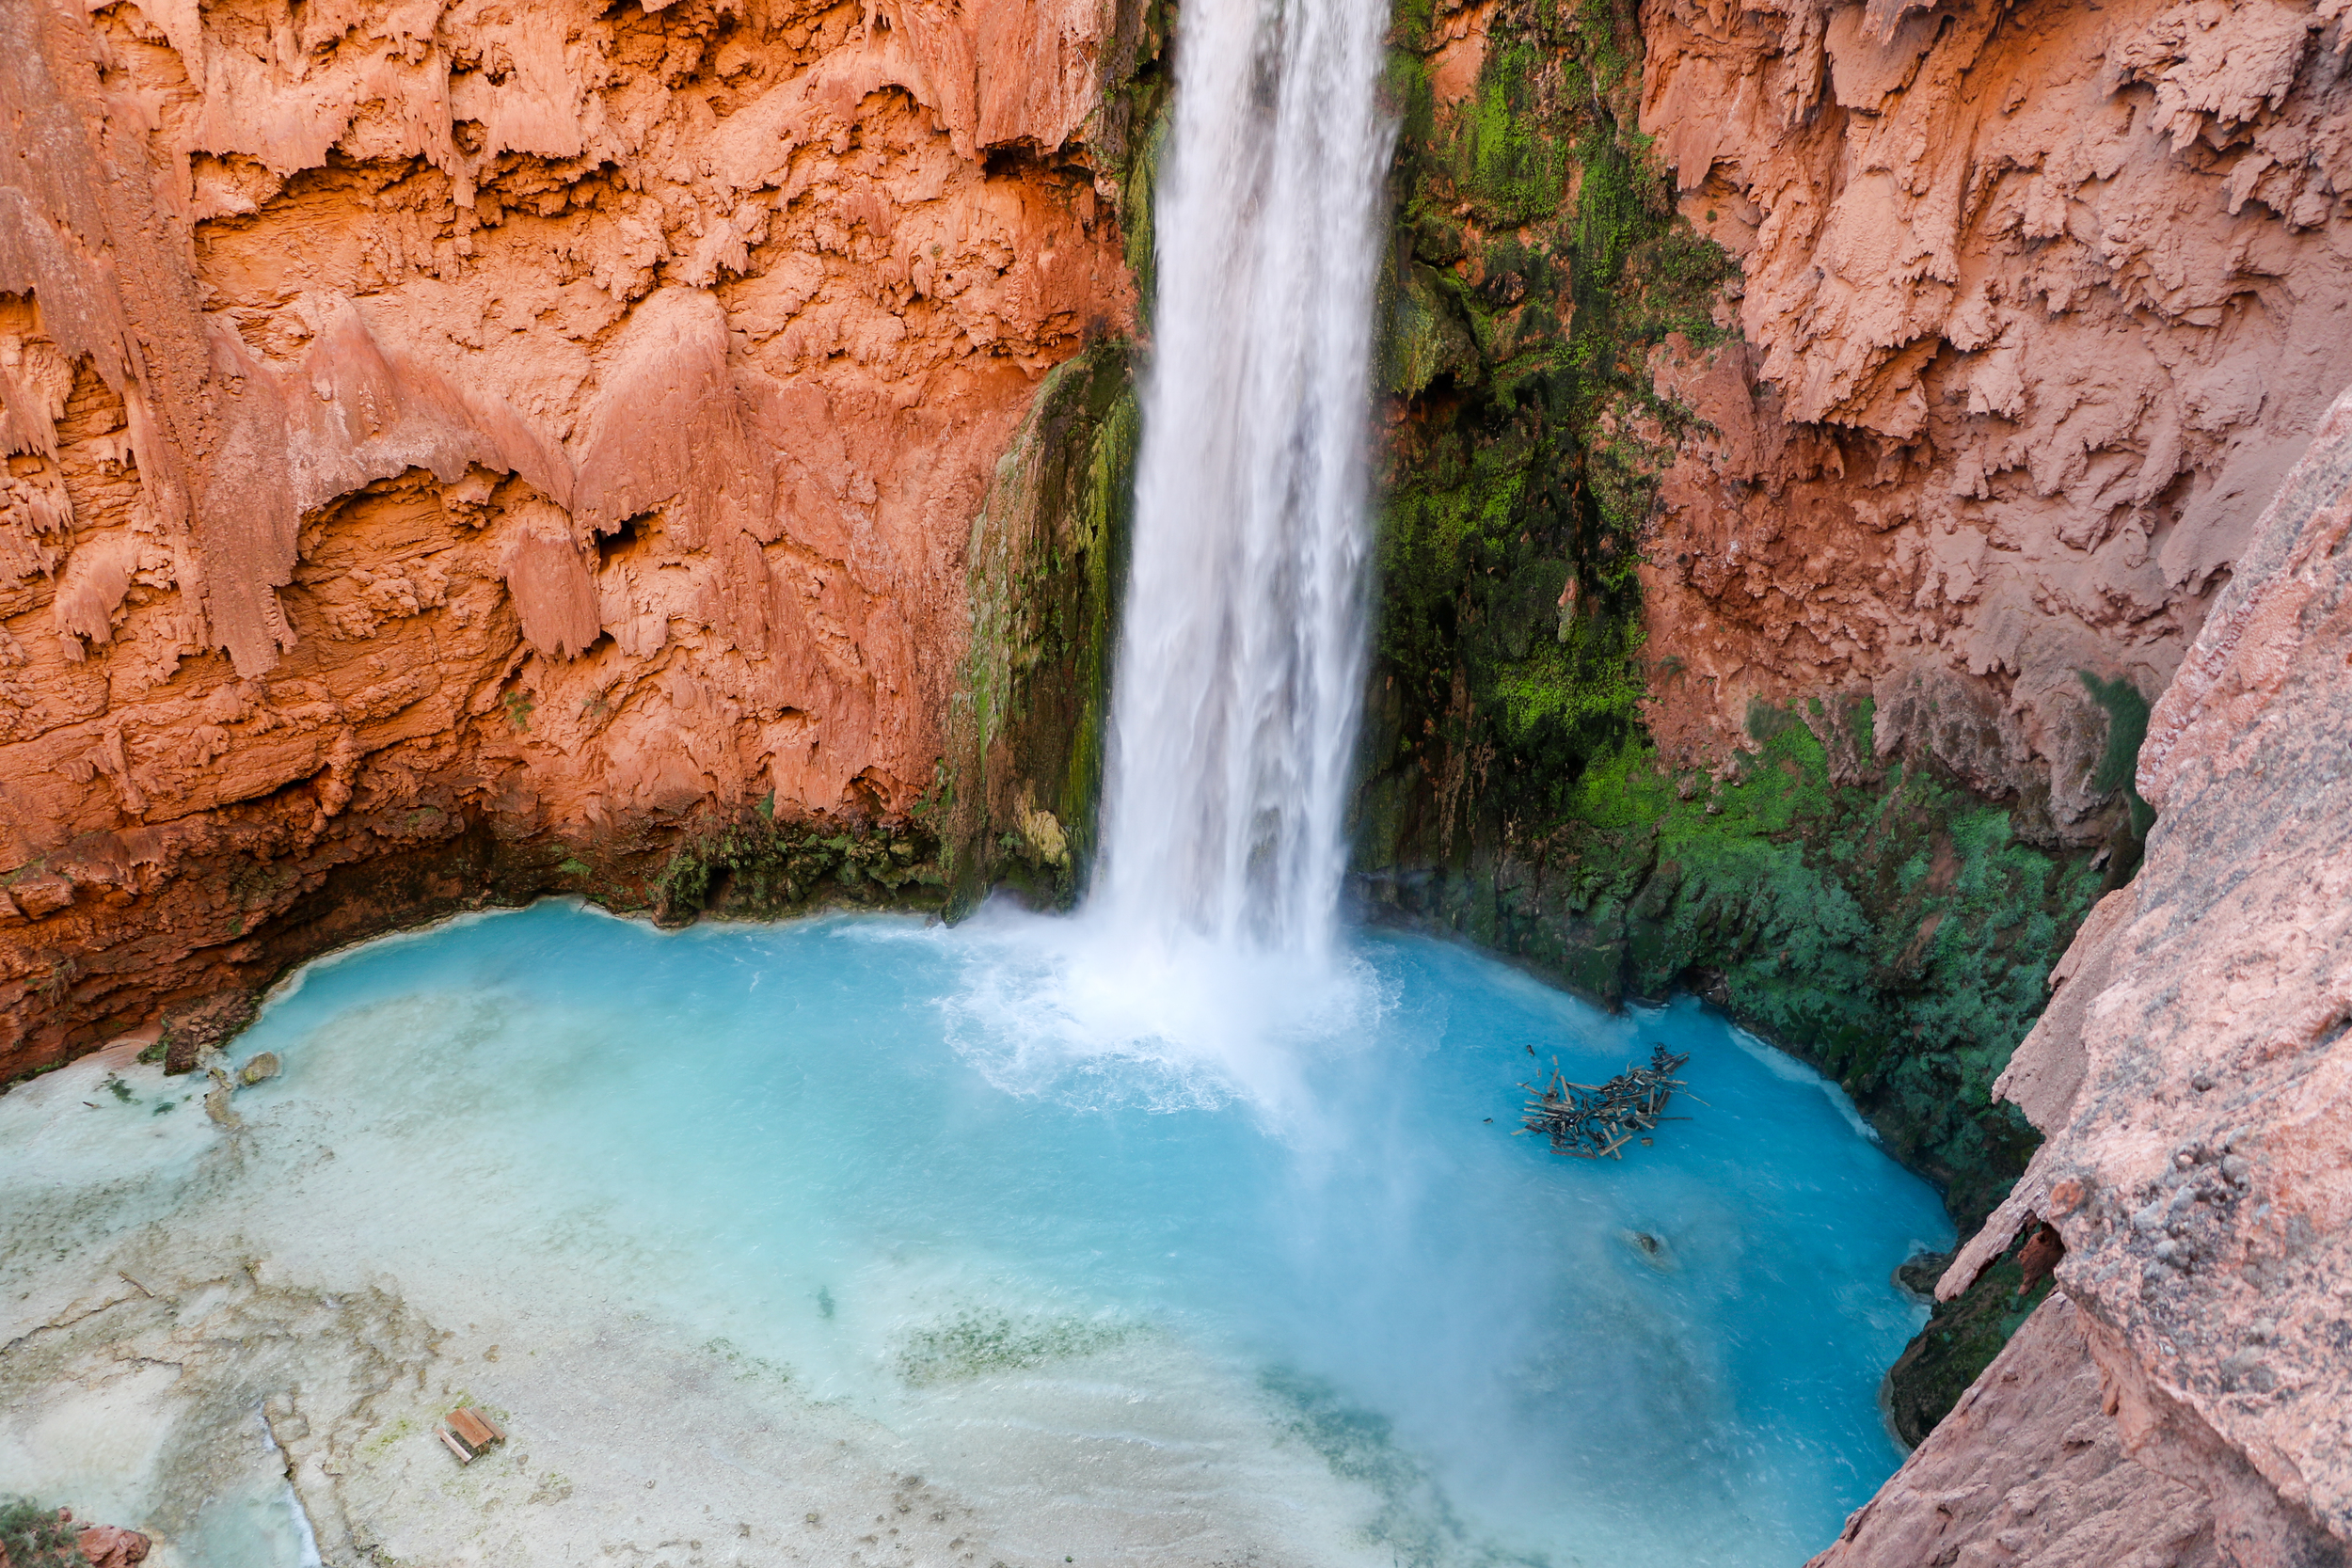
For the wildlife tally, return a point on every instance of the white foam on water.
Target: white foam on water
(1782, 1065)
(1081, 1010)
(288, 986)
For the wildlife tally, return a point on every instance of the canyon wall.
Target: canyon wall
(1818, 432)
(677, 453)
(456, 450)
(2187, 1396)
(2040, 302)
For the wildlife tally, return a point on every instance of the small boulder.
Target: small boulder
(261, 1067)
(2040, 1256)
(217, 1107)
(112, 1547)
(1918, 1274)
(194, 1028)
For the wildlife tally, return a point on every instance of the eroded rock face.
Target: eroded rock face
(472, 437)
(111, 1547)
(2042, 302)
(2197, 1098)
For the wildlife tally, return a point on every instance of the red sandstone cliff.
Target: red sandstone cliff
(433, 430)
(2042, 300)
(437, 429)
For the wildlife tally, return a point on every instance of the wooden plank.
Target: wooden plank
(469, 1424)
(465, 1454)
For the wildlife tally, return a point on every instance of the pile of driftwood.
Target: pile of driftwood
(1589, 1121)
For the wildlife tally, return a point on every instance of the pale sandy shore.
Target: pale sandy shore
(198, 1339)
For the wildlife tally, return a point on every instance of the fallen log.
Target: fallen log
(1596, 1120)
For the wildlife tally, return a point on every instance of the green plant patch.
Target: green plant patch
(2127, 731)
(757, 866)
(32, 1536)
(1539, 264)
(1893, 931)
(1961, 1338)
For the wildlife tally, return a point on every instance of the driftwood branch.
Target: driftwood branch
(1589, 1121)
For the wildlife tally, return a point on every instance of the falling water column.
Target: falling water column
(1240, 669)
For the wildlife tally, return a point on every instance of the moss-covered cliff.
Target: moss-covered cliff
(1536, 264)
(1888, 928)
(1017, 802)
(1866, 912)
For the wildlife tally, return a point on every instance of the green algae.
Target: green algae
(746, 1367)
(1415, 1521)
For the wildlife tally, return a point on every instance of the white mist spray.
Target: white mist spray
(1241, 661)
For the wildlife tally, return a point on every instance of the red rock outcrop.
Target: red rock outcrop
(112, 1547)
(2191, 1078)
(2043, 305)
(2029, 1469)
(438, 435)
(2042, 301)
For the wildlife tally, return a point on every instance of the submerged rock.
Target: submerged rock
(1918, 1273)
(259, 1067)
(1651, 1249)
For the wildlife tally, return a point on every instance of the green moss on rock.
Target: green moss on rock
(1889, 928)
(757, 867)
(1959, 1341)
(1537, 263)
(1044, 574)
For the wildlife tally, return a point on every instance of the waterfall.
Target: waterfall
(1206, 965)
(1240, 668)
